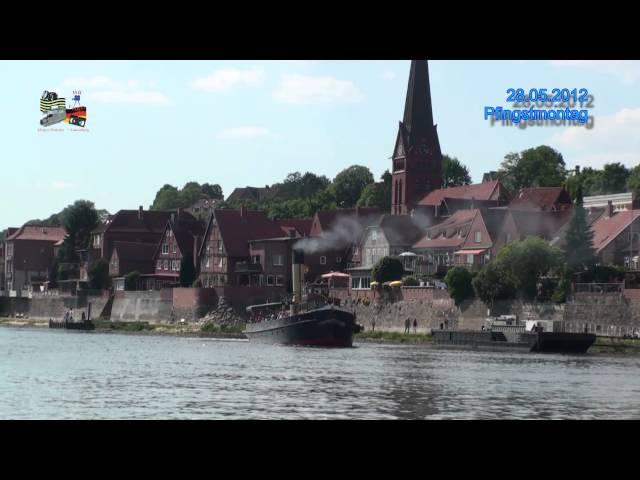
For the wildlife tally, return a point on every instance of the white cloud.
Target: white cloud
(627, 70)
(613, 138)
(226, 78)
(123, 96)
(104, 89)
(389, 75)
(244, 132)
(304, 89)
(60, 185)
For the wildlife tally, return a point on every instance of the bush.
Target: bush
(387, 269)
(410, 281)
(458, 281)
(131, 281)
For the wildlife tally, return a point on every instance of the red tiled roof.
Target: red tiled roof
(301, 225)
(185, 228)
(328, 217)
(477, 191)
(237, 230)
(130, 221)
(539, 223)
(542, 198)
(606, 228)
(400, 229)
(134, 251)
(459, 219)
(38, 232)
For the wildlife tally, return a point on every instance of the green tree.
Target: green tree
(349, 184)
(377, 194)
(167, 198)
(633, 182)
(614, 178)
(493, 283)
(387, 269)
(535, 167)
(189, 194)
(78, 220)
(297, 186)
(454, 173)
(187, 272)
(99, 275)
(212, 191)
(578, 249)
(458, 280)
(131, 280)
(526, 261)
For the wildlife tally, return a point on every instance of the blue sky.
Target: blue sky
(252, 122)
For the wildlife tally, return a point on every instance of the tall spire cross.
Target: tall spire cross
(418, 114)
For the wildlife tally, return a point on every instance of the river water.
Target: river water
(54, 374)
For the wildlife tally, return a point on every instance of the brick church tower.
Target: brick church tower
(417, 159)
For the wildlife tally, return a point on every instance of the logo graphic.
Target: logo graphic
(55, 111)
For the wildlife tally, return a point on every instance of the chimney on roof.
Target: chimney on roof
(609, 208)
(140, 212)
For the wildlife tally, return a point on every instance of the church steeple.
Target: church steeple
(417, 159)
(418, 114)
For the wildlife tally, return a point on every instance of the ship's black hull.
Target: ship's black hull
(542, 342)
(323, 327)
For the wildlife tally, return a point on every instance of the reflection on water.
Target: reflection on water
(58, 374)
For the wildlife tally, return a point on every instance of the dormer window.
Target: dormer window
(478, 237)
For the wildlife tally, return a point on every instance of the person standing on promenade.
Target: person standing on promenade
(407, 325)
(415, 325)
(373, 324)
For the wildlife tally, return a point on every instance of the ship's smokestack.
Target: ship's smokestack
(297, 263)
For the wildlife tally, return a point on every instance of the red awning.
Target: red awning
(469, 252)
(335, 275)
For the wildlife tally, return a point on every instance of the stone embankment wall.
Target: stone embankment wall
(153, 306)
(607, 314)
(45, 307)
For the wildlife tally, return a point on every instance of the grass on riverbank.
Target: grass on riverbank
(616, 345)
(395, 337)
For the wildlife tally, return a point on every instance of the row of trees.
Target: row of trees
(545, 167)
(170, 197)
(302, 195)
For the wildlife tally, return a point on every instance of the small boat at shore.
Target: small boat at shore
(541, 336)
(69, 325)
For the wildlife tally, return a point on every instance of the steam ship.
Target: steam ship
(301, 324)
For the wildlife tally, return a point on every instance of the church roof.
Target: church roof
(477, 191)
